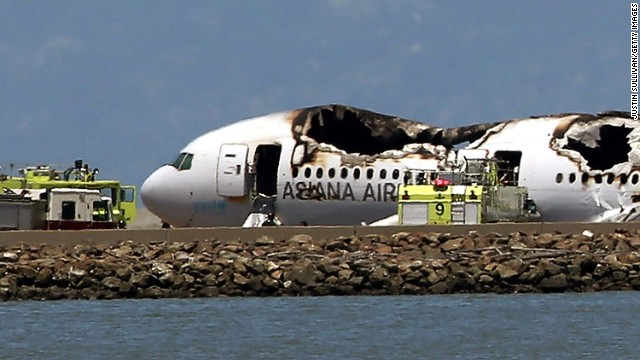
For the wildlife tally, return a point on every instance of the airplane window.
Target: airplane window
(610, 178)
(344, 172)
(396, 174)
(332, 173)
(176, 163)
(558, 178)
(186, 163)
(634, 179)
(598, 178)
(623, 179)
(585, 178)
(295, 171)
(369, 173)
(356, 173)
(319, 173)
(307, 172)
(183, 161)
(572, 178)
(383, 174)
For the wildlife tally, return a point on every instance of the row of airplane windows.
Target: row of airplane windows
(599, 178)
(344, 173)
(395, 174)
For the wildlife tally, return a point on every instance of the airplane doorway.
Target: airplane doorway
(508, 166)
(266, 160)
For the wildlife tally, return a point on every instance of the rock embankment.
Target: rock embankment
(427, 263)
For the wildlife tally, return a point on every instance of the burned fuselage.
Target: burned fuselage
(334, 164)
(357, 131)
(340, 146)
(605, 143)
(576, 161)
(598, 145)
(349, 154)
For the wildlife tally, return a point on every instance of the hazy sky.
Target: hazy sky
(126, 84)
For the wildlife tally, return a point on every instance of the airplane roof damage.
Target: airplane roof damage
(365, 132)
(598, 142)
(595, 142)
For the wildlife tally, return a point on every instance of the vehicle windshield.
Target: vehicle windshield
(101, 210)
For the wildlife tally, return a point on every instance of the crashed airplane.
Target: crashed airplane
(340, 165)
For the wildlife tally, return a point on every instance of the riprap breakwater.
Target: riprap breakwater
(403, 263)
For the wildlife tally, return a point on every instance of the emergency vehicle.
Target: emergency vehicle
(471, 190)
(79, 176)
(55, 209)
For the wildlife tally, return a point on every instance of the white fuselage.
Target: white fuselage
(332, 187)
(560, 196)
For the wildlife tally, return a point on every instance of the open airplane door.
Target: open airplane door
(231, 174)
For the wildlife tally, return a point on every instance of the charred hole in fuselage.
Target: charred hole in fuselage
(365, 132)
(612, 148)
(347, 131)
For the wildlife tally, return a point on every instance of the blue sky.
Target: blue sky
(126, 84)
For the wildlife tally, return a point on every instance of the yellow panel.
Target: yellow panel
(440, 212)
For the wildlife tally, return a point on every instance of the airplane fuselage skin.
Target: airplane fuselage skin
(194, 200)
(541, 167)
(318, 183)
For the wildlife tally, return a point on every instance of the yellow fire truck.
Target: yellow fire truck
(469, 192)
(56, 209)
(78, 176)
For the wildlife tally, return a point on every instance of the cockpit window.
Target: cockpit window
(176, 163)
(186, 164)
(183, 161)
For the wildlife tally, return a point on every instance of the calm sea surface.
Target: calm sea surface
(567, 326)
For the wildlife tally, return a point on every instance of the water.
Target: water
(564, 326)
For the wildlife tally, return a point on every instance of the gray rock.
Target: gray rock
(300, 239)
(327, 267)
(209, 291)
(270, 283)
(550, 268)
(304, 275)
(265, 241)
(240, 280)
(379, 276)
(153, 292)
(208, 280)
(143, 279)
(44, 277)
(112, 283)
(451, 245)
(355, 281)
(9, 256)
(344, 275)
(26, 274)
(338, 244)
(554, 283)
(506, 273)
(485, 279)
(168, 280)
(127, 289)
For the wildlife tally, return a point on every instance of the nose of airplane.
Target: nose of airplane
(156, 192)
